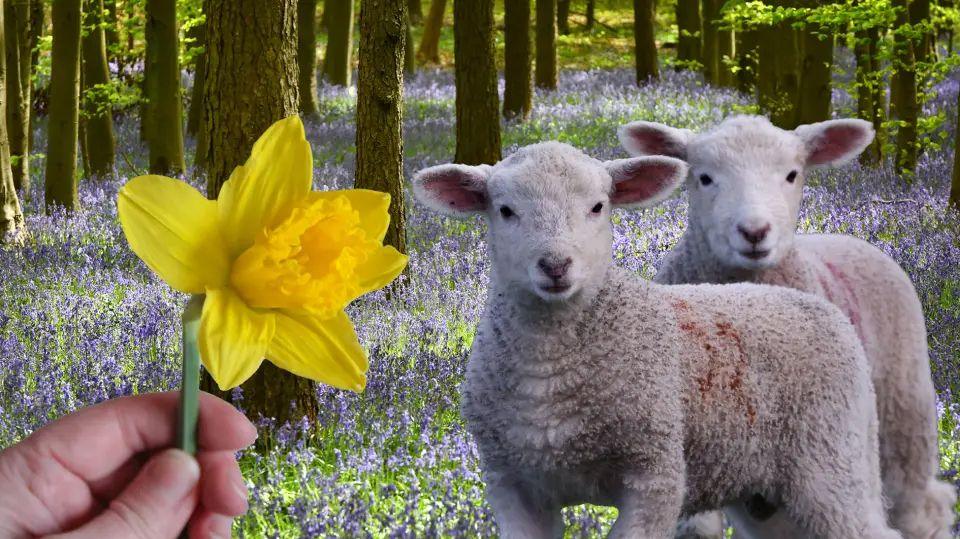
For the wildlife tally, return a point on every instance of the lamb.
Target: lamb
(745, 185)
(587, 384)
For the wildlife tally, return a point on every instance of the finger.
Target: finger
(222, 489)
(208, 525)
(156, 505)
(114, 431)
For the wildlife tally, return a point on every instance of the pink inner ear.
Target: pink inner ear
(655, 142)
(835, 143)
(644, 182)
(456, 194)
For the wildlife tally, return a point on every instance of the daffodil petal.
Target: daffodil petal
(277, 174)
(174, 230)
(374, 208)
(233, 337)
(324, 350)
(381, 268)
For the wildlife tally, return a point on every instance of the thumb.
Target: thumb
(156, 505)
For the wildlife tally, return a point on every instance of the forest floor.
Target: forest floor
(82, 319)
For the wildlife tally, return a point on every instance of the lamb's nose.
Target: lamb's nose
(754, 235)
(554, 268)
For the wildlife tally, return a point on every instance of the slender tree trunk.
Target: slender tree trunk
(546, 68)
(165, 127)
(478, 118)
(925, 46)
(11, 218)
(307, 56)
(337, 64)
(97, 114)
(199, 34)
(254, 41)
(643, 38)
(409, 55)
(110, 30)
(748, 41)
(870, 92)
(379, 108)
(61, 166)
(817, 65)
(16, 20)
(517, 90)
(778, 80)
(415, 11)
(955, 181)
(726, 57)
(689, 30)
(37, 21)
(563, 17)
(711, 41)
(904, 105)
(591, 15)
(428, 52)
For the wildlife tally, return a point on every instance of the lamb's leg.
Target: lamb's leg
(649, 505)
(708, 525)
(520, 517)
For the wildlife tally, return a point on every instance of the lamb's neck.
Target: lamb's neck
(692, 261)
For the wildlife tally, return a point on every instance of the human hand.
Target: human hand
(107, 472)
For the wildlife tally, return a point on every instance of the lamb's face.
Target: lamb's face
(548, 209)
(746, 178)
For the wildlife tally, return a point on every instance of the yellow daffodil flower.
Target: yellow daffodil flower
(277, 262)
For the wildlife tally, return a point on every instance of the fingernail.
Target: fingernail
(175, 473)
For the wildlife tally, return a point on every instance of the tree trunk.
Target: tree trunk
(955, 180)
(199, 34)
(254, 41)
(165, 127)
(643, 39)
(817, 65)
(517, 91)
(546, 68)
(726, 56)
(747, 45)
(478, 118)
(11, 218)
(591, 16)
(689, 34)
(904, 106)
(563, 17)
(97, 113)
(415, 12)
(307, 56)
(110, 30)
(778, 75)
(37, 20)
(409, 56)
(711, 41)
(16, 20)
(337, 63)
(428, 52)
(868, 82)
(61, 168)
(379, 108)
(924, 47)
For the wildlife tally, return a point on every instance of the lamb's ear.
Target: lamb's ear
(650, 138)
(457, 190)
(834, 142)
(640, 182)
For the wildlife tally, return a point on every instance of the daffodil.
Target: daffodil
(277, 262)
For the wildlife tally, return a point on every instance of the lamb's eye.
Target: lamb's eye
(792, 176)
(597, 207)
(705, 180)
(506, 212)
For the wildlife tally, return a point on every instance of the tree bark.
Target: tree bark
(643, 39)
(778, 74)
(563, 17)
(517, 91)
(711, 41)
(251, 83)
(817, 65)
(904, 106)
(16, 20)
(689, 34)
(726, 55)
(37, 20)
(429, 52)
(591, 16)
(61, 166)
(955, 180)
(478, 118)
(546, 68)
(110, 30)
(307, 56)
(409, 55)
(869, 107)
(337, 63)
(97, 114)
(748, 41)
(11, 217)
(165, 127)
(199, 33)
(415, 12)
(379, 108)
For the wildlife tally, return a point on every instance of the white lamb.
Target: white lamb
(745, 184)
(587, 384)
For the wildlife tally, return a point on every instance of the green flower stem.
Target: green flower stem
(190, 384)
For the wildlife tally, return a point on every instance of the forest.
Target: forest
(96, 92)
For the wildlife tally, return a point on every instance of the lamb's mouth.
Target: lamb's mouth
(756, 254)
(556, 288)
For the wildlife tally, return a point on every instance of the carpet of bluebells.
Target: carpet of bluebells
(82, 319)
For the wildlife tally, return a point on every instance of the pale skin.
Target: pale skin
(107, 471)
